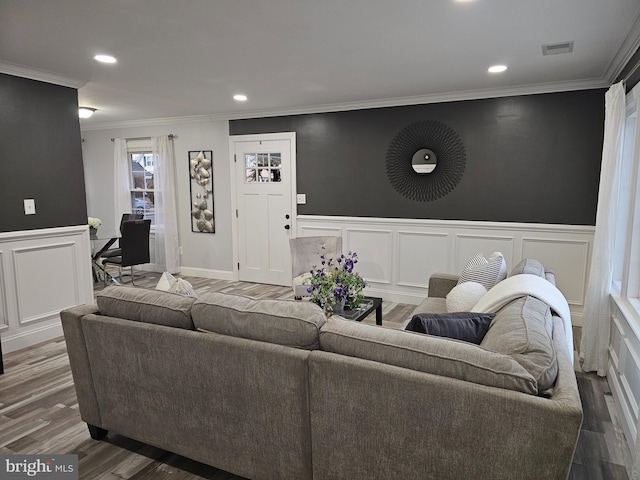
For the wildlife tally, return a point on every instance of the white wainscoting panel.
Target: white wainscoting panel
(319, 231)
(375, 253)
(467, 246)
(4, 314)
(42, 272)
(570, 260)
(418, 255)
(397, 256)
(623, 373)
(29, 281)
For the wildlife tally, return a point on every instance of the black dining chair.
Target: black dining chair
(134, 245)
(126, 217)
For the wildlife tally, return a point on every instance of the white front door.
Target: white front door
(264, 207)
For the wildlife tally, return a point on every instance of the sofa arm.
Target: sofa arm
(79, 360)
(441, 283)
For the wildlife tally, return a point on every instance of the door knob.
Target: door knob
(287, 227)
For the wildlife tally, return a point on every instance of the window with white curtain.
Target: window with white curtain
(626, 273)
(141, 184)
(141, 178)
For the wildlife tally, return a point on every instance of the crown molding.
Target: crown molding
(422, 99)
(341, 107)
(42, 76)
(150, 122)
(627, 49)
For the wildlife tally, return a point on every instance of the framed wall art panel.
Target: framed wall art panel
(201, 187)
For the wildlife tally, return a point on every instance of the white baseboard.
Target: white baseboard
(208, 273)
(17, 341)
(397, 297)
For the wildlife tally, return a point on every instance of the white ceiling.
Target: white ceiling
(187, 58)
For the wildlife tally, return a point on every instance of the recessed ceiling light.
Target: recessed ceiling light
(105, 58)
(240, 98)
(86, 112)
(497, 68)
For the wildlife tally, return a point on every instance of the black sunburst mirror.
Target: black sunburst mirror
(426, 160)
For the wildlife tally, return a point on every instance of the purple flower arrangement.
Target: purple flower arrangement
(335, 283)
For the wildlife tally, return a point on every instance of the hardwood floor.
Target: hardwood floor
(39, 412)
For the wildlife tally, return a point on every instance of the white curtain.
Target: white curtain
(166, 245)
(122, 190)
(595, 334)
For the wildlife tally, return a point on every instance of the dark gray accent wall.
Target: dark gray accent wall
(530, 159)
(40, 155)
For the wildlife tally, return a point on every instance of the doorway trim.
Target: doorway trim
(233, 139)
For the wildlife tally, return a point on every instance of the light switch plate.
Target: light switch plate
(301, 198)
(29, 206)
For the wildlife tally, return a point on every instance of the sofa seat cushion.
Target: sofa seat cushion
(431, 305)
(426, 353)
(465, 326)
(523, 329)
(284, 322)
(148, 306)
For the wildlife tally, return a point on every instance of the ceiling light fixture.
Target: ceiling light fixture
(105, 59)
(86, 112)
(497, 68)
(240, 98)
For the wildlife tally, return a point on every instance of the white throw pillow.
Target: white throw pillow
(171, 284)
(486, 272)
(503, 265)
(184, 288)
(166, 282)
(464, 296)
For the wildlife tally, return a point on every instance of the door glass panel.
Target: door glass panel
(263, 167)
(264, 175)
(263, 159)
(250, 175)
(249, 159)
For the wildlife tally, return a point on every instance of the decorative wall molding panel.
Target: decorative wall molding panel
(41, 272)
(4, 313)
(397, 256)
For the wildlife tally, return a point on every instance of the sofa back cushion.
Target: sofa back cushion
(426, 353)
(530, 266)
(284, 322)
(523, 329)
(148, 306)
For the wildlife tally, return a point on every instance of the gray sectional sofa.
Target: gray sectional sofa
(273, 390)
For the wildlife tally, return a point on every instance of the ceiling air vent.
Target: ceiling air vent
(557, 48)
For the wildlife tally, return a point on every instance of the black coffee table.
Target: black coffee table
(368, 305)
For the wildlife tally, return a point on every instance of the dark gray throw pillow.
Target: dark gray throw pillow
(466, 326)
